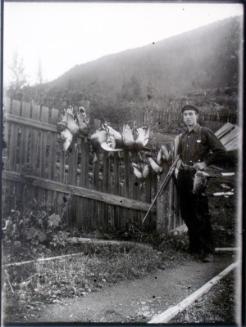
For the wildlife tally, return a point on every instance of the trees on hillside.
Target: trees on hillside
(18, 79)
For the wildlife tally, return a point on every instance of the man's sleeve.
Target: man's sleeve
(217, 153)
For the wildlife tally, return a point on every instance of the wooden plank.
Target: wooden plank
(173, 311)
(22, 148)
(12, 147)
(16, 109)
(26, 110)
(116, 173)
(50, 159)
(72, 162)
(83, 162)
(82, 206)
(173, 222)
(44, 115)
(36, 112)
(96, 211)
(76, 190)
(86, 202)
(232, 135)
(35, 151)
(53, 157)
(225, 129)
(233, 145)
(127, 173)
(31, 123)
(7, 135)
(164, 217)
(43, 155)
(54, 116)
(27, 147)
(105, 187)
(6, 104)
(62, 167)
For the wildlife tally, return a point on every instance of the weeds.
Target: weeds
(49, 282)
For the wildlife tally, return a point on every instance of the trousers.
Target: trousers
(195, 213)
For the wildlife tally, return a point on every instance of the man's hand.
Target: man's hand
(200, 165)
(176, 170)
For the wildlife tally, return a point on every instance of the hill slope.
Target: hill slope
(200, 59)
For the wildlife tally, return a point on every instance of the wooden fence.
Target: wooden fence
(102, 194)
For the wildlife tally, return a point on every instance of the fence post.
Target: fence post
(163, 206)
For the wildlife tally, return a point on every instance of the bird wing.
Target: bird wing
(165, 153)
(135, 165)
(70, 111)
(111, 141)
(155, 166)
(114, 133)
(127, 135)
(72, 125)
(68, 137)
(105, 146)
(145, 171)
(137, 172)
(142, 136)
(199, 182)
(99, 136)
(82, 120)
(159, 157)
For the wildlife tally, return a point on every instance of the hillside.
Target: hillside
(205, 58)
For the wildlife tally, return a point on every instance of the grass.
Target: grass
(35, 285)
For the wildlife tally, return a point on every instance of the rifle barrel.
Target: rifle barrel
(163, 185)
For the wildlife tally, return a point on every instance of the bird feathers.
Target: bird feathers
(67, 136)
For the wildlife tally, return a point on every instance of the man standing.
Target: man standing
(198, 147)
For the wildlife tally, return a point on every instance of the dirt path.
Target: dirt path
(138, 300)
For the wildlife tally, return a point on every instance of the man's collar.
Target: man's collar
(195, 129)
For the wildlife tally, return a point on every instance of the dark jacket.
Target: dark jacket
(200, 144)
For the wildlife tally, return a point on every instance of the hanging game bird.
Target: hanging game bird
(69, 127)
(163, 155)
(98, 137)
(82, 120)
(135, 139)
(141, 170)
(155, 167)
(200, 182)
(71, 124)
(113, 142)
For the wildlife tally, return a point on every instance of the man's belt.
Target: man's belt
(187, 166)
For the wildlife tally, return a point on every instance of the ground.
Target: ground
(59, 294)
(219, 303)
(120, 284)
(138, 300)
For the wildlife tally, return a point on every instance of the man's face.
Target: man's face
(190, 118)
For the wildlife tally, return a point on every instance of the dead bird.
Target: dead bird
(135, 138)
(82, 120)
(200, 182)
(68, 127)
(107, 138)
(163, 155)
(154, 165)
(141, 170)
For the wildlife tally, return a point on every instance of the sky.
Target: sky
(55, 37)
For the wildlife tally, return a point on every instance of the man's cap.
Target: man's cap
(190, 107)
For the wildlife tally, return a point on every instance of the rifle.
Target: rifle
(163, 186)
